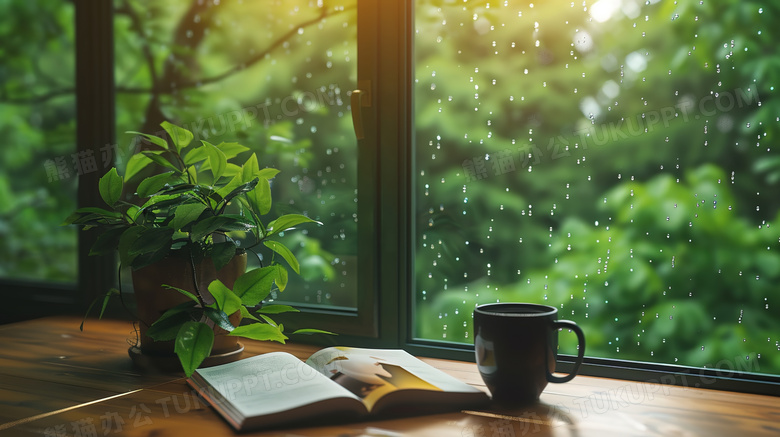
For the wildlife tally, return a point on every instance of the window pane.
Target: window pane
(273, 76)
(615, 159)
(39, 166)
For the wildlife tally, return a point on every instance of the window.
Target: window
(274, 76)
(615, 159)
(38, 124)
(39, 163)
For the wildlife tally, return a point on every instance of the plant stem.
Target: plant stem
(195, 281)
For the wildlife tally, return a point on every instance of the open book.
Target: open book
(337, 383)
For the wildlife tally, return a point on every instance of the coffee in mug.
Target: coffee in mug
(516, 348)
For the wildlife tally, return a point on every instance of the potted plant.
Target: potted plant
(177, 233)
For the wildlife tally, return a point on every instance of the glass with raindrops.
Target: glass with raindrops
(616, 159)
(274, 76)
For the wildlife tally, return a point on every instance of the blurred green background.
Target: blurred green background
(617, 160)
(614, 159)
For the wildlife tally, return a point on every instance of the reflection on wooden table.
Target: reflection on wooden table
(58, 382)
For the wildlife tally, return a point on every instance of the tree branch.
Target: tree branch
(165, 87)
(137, 25)
(188, 34)
(162, 86)
(39, 98)
(260, 56)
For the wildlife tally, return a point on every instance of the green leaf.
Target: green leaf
(260, 197)
(205, 227)
(268, 320)
(166, 329)
(312, 331)
(282, 250)
(235, 191)
(186, 214)
(136, 164)
(193, 344)
(192, 174)
(145, 259)
(267, 173)
(217, 159)
(151, 240)
(227, 222)
(99, 211)
(184, 292)
(250, 168)
(160, 160)
(245, 314)
(106, 297)
(222, 253)
(73, 218)
(107, 242)
(168, 325)
(111, 292)
(224, 297)
(196, 155)
(255, 285)
(278, 309)
(153, 139)
(281, 278)
(220, 318)
(179, 189)
(161, 200)
(180, 137)
(260, 331)
(126, 241)
(153, 184)
(231, 150)
(132, 212)
(288, 221)
(91, 213)
(231, 170)
(110, 186)
(88, 220)
(230, 186)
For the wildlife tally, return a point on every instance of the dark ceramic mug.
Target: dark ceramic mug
(516, 348)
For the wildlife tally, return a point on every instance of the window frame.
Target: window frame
(95, 127)
(722, 378)
(384, 169)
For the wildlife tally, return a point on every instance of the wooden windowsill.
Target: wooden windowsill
(58, 381)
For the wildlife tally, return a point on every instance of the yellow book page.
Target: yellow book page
(373, 373)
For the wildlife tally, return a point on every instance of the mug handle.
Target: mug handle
(567, 324)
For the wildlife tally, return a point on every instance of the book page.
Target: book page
(372, 374)
(268, 384)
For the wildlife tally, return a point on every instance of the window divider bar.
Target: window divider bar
(95, 128)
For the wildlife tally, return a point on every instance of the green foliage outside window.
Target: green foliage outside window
(623, 171)
(37, 124)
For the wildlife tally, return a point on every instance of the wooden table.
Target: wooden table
(57, 381)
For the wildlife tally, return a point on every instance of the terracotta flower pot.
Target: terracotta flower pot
(153, 299)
